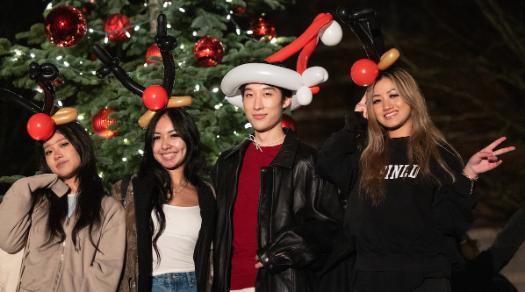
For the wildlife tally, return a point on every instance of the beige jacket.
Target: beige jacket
(61, 267)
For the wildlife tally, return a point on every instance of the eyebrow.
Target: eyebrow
(388, 91)
(264, 88)
(172, 130)
(57, 142)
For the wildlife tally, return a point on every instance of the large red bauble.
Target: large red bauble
(155, 97)
(153, 55)
(101, 123)
(364, 72)
(263, 29)
(40, 127)
(65, 26)
(288, 122)
(208, 51)
(116, 26)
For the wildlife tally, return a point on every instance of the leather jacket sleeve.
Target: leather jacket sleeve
(317, 219)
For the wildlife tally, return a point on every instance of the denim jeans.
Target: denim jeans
(175, 282)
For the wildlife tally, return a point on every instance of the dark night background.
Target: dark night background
(468, 57)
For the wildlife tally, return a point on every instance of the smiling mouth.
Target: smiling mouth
(390, 115)
(168, 156)
(259, 116)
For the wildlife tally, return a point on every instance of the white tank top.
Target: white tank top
(177, 243)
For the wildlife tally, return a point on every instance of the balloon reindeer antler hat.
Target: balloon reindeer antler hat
(155, 97)
(41, 125)
(366, 27)
(301, 82)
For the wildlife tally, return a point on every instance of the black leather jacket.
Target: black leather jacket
(298, 214)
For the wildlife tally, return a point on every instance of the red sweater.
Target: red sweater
(245, 211)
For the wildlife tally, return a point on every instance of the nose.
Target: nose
(57, 154)
(257, 102)
(387, 103)
(164, 143)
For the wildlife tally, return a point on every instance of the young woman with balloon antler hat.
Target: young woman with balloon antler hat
(409, 193)
(72, 232)
(170, 209)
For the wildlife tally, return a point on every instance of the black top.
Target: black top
(406, 230)
(413, 233)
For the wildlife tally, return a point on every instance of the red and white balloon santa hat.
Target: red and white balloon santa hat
(301, 82)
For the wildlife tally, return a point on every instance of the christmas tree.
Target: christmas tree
(212, 37)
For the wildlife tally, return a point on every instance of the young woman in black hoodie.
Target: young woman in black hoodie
(410, 194)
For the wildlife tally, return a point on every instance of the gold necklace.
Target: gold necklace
(268, 144)
(180, 187)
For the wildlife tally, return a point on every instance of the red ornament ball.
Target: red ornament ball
(364, 72)
(153, 55)
(116, 26)
(155, 97)
(239, 10)
(101, 122)
(40, 127)
(288, 122)
(65, 26)
(208, 51)
(262, 28)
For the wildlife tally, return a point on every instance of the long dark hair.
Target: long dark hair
(162, 187)
(90, 188)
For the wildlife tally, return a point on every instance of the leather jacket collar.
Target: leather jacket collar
(286, 156)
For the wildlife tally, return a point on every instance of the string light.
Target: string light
(125, 141)
(141, 152)
(59, 57)
(218, 106)
(247, 125)
(81, 117)
(182, 10)
(101, 174)
(66, 63)
(124, 159)
(60, 103)
(197, 87)
(215, 89)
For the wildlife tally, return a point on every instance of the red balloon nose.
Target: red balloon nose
(155, 97)
(40, 127)
(364, 72)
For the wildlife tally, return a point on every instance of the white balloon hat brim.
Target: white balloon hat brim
(276, 76)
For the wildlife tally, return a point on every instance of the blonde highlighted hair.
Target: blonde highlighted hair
(424, 142)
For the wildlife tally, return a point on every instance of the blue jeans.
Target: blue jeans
(175, 282)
